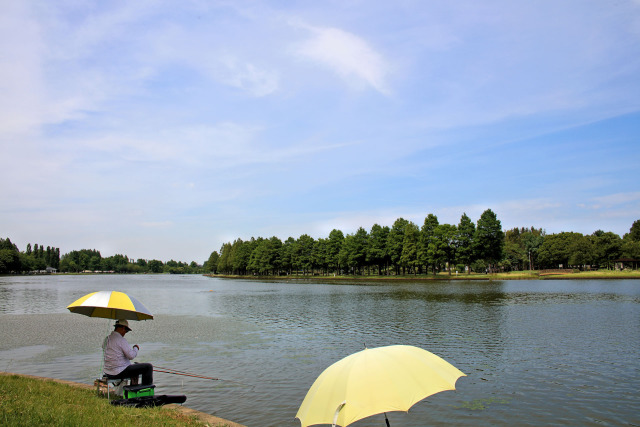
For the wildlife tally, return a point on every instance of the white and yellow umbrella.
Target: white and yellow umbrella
(110, 305)
(375, 381)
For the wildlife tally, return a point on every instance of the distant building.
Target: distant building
(621, 263)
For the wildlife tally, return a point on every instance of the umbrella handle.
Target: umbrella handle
(335, 416)
(386, 420)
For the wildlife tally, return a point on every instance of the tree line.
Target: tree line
(403, 248)
(406, 248)
(37, 258)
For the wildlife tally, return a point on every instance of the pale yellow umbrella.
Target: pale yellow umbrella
(375, 381)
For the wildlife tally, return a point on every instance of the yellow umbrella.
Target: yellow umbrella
(110, 305)
(375, 381)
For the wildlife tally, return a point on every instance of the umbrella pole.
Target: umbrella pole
(335, 416)
(386, 420)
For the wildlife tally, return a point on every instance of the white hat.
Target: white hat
(124, 323)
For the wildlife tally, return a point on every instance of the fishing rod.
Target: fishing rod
(189, 374)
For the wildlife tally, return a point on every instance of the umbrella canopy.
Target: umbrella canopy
(110, 305)
(374, 381)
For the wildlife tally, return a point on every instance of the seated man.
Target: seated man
(118, 354)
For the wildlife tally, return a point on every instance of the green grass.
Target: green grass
(31, 401)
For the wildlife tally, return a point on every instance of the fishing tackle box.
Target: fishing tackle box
(132, 391)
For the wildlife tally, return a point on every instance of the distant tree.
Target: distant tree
(224, 262)
(378, 250)
(396, 239)
(464, 241)
(212, 263)
(532, 240)
(9, 257)
(581, 251)
(631, 248)
(355, 250)
(608, 246)
(555, 250)
(443, 248)
(155, 266)
(303, 253)
(489, 238)
(240, 255)
(426, 254)
(319, 255)
(634, 232)
(257, 257)
(409, 257)
(287, 254)
(334, 245)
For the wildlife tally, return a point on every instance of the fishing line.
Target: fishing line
(189, 374)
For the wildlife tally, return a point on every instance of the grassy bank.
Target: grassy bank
(30, 401)
(514, 275)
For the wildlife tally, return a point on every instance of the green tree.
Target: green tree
(224, 262)
(409, 257)
(319, 258)
(354, 251)
(241, 254)
(303, 253)
(581, 251)
(608, 246)
(555, 250)
(257, 257)
(426, 254)
(155, 266)
(287, 254)
(334, 245)
(464, 241)
(396, 239)
(443, 245)
(634, 232)
(489, 239)
(378, 249)
(273, 262)
(631, 249)
(9, 257)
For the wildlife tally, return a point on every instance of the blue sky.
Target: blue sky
(165, 130)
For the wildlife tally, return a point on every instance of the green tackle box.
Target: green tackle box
(131, 391)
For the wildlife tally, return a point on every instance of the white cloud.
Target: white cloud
(346, 54)
(249, 77)
(618, 198)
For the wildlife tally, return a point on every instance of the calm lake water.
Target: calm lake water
(535, 352)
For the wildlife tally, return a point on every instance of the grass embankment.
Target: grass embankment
(30, 401)
(513, 275)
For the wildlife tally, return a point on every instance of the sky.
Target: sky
(161, 130)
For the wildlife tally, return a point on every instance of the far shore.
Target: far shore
(516, 275)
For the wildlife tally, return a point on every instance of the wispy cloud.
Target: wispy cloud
(346, 54)
(611, 200)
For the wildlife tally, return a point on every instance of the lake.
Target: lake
(551, 352)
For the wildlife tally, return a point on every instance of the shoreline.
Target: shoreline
(607, 275)
(204, 418)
